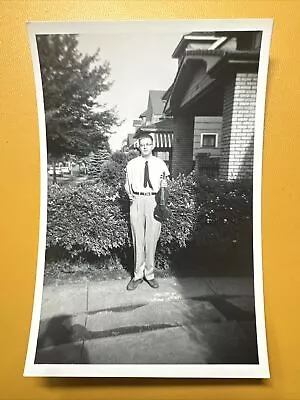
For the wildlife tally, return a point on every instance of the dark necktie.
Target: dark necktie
(146, 176)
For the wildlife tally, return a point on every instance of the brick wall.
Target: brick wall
(238, 127)
(182, 155)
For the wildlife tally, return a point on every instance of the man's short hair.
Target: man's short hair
(145, 136)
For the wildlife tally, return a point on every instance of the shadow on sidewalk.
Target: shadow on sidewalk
(231, 338)
(61, 342)
(218, 322)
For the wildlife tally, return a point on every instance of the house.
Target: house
(212, 101)
(155, 107)
(160, 127)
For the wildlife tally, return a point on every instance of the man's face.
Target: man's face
(146, 146)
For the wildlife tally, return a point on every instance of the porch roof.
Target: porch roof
(161, 140)
(201, 71)
(162, 133)
(165, 125)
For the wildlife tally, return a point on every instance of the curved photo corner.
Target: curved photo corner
(123, 289)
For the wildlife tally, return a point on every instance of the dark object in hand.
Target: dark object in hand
(161, 211)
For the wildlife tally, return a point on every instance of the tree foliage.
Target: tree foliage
(72, 84)
(97, 160)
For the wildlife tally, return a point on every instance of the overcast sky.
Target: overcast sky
(139, 63)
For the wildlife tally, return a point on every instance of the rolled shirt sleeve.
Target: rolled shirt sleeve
(128, 185)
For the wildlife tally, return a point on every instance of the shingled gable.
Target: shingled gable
(155, 106)
(156, 100)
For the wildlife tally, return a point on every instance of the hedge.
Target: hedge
(224, 210)
(86, 218)
(92, 218)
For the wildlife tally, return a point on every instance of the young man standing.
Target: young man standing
(143, 180)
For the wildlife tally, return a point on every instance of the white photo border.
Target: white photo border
(260, 370)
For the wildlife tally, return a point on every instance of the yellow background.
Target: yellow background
(19, 166)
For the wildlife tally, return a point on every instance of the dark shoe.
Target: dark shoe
(133, 284)
(153, 283)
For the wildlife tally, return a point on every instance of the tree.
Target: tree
(97, 160)
(72, 82)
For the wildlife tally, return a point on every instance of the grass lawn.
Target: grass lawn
(188, 262)
(64, 272)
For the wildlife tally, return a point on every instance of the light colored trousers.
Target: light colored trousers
(145, 234)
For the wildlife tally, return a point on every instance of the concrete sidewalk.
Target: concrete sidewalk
(186, 320)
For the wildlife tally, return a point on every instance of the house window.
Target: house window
(209, 140)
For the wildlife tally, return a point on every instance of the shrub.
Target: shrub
(86, 219)
(120, 157)
(178, 230)
(92, 218)
(113, 171)
(207, 213)
(224, 211)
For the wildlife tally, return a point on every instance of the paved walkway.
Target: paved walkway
(186, 320)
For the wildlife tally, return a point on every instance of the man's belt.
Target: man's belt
(144, 193)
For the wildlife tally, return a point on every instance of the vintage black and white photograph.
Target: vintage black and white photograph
(151, 146)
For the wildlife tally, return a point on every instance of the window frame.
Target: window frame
(209, 134)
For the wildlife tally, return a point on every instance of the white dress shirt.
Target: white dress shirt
(135, 174)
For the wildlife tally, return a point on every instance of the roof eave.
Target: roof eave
(227, 60)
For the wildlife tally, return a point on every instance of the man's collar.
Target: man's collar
(147, 159)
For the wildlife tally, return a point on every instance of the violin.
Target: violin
(161, 211)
